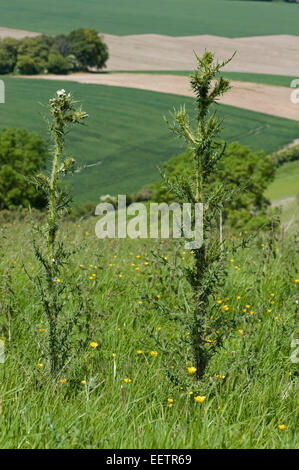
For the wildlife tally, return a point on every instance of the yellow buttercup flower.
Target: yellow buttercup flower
(241, 332)
(281, 426)
(40, 365)
(199, 399)
(139, 351)
(42, 330)
(113, 355)
(153, 353)
(127, 381)
(192, 370)
(93, 344)
(272, 295)
(170, 400)
(63, 381)
(83, 382)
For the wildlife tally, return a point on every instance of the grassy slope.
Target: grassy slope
(243, 410)
(172, 17)
(126, 131)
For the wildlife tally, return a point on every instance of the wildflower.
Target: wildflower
(241, 332)
(190, 393)
(90, 278)
(219, 302)
(140, 302)
(42, 330)
(232, 260)
(83, 382)
(244, 310)
(61, 92)
(146, 263)
(219, 376)
(113, 355)
(272, 295)
(40, 365)
(93, 344)
(192, 370)
(120, 276)
(239, 297)
(127, 381)
(262, 245)
(297, 280)
(169, 405)
(175, 307)
(158, 296)
(276, 318)
(251, 312)
(58, 280)
(281, 426)
(153, 353)
(170, 400)
(138, 256)
(137, 269)
(247, 306)
(63, 381)
(269, 310)
(139, 351)
(199, 399)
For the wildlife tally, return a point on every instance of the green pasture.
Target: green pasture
(172, 17)
(126, 131)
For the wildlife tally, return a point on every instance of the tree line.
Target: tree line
(79, 50)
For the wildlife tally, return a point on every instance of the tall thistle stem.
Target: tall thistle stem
(63, 113)
(206, 150)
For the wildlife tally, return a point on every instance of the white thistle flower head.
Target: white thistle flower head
(61, 92)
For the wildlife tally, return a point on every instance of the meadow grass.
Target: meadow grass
(127, 133)
(136, 301)
(171, 17)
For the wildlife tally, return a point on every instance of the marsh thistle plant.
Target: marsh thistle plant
(206, 149)
(51, 252)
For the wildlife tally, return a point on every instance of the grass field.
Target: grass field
(172, 17)
(250, 385)
(126, 131)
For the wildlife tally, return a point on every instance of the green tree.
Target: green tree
(8, 55)
(33, 54)
(239, 166)
(22, 154)
(88, 48)
(57, 63)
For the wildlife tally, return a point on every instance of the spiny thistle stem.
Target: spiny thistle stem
(206, 151)
(63, 113)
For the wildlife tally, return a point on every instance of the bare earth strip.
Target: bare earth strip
(274, 55)
(261, 98)
(16, 33)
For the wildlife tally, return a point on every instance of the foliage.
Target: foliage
(8, 55)
(79, 50)
(289, 154)
(238, 167)
(88, 48)
(22, 154)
